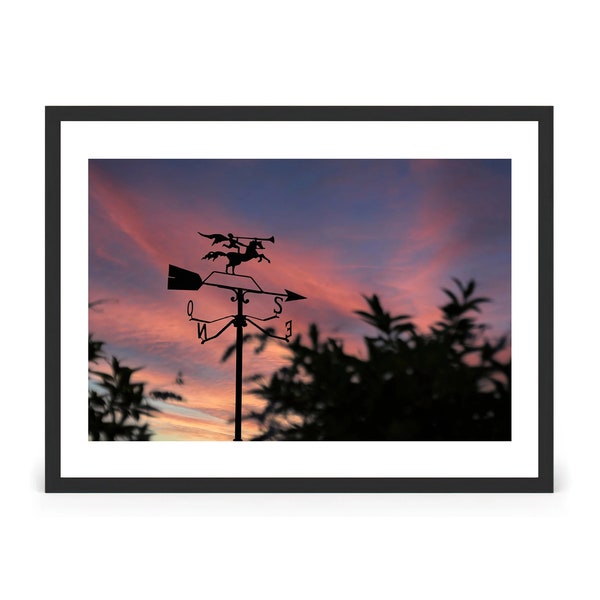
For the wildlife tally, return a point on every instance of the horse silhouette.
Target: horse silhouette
(237, 258)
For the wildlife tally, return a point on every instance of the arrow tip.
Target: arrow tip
(293, 296)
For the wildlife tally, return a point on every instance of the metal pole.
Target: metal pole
(239, 341)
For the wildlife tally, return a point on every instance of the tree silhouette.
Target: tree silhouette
(445, 384)
(117, 404)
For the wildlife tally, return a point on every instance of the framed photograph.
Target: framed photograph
(363, 296)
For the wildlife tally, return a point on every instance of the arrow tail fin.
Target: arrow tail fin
(182, 279)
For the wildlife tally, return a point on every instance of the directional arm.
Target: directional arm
(212, 337)
(278, 337)
(265, 319)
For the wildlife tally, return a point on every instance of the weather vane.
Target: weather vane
(241, 285)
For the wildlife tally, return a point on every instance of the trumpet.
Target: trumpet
(271, 239)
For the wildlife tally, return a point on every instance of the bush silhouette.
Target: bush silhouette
(117, 404)
(445, 384)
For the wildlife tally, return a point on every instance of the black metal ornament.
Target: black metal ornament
(241, 252)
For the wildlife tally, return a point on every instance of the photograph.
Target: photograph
(374, 299)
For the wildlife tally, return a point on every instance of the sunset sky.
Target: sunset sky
(343, 228)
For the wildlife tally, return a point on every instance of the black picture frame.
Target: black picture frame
(55, 116)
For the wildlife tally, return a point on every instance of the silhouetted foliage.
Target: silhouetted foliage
(445, 384)
(160, 395)
(117, 404)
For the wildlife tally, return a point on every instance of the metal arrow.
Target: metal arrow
(182, 279)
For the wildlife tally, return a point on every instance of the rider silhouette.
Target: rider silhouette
(234, 242)
(229, 241)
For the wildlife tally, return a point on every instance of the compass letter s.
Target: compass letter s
(278, 300)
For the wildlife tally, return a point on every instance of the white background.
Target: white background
(220, 546)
